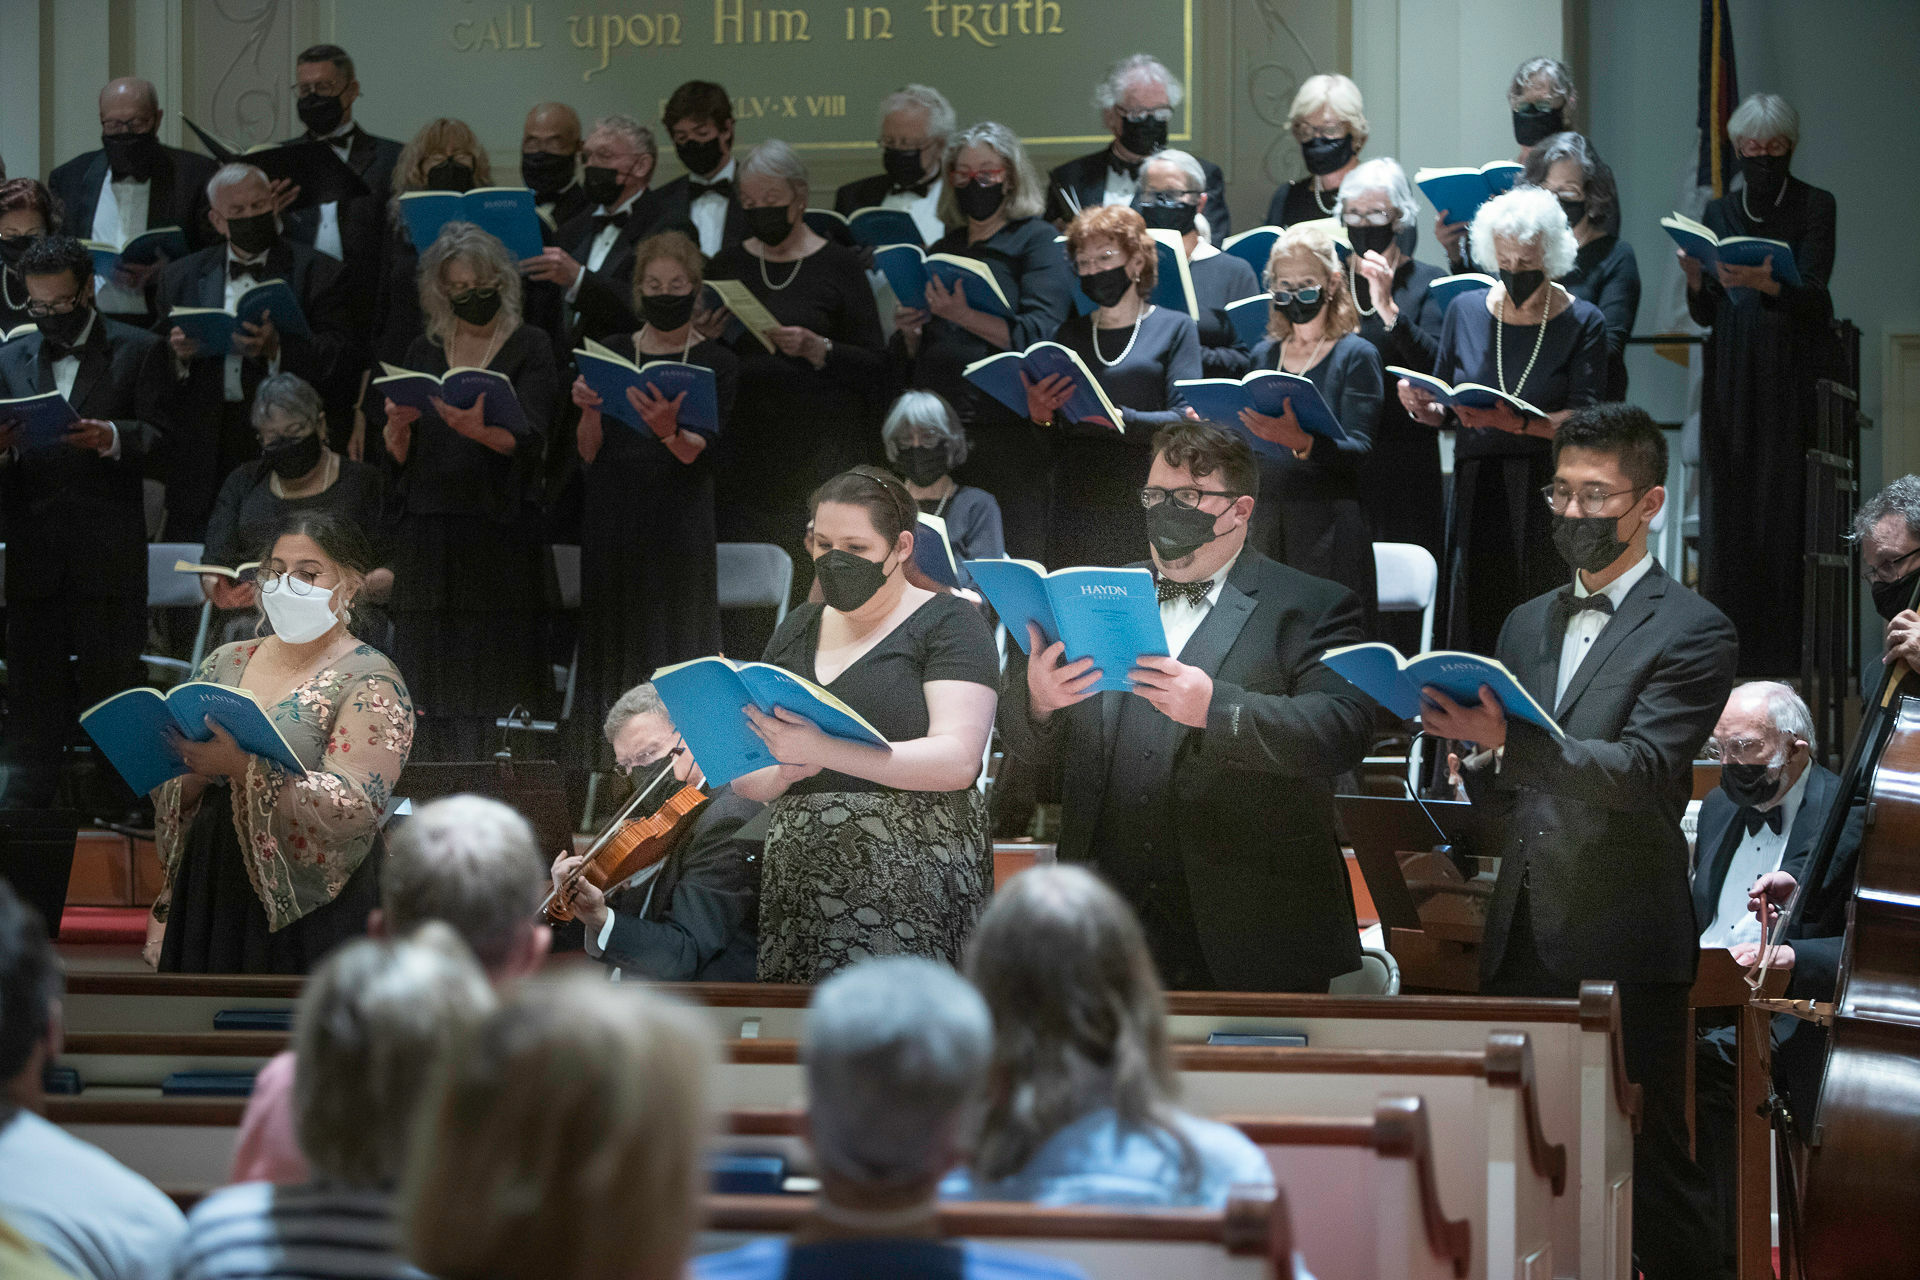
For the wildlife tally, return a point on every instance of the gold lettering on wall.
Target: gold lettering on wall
(504, 31)
(875, 22)
(988, 24)
(760, 26)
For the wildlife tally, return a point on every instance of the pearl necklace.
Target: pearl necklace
(1353, 291)
(1131, 339)
(1751, 216)
(1500, 346)
(791, 275)
(1326, 210)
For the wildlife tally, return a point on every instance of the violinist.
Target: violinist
(696, 919)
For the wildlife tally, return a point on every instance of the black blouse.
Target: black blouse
(1570, 370)
(826, 292)
(635, 452)
(446, 473)
(1804, 221)
(248, 512)
(1218, 280)
(944, 639)
(1606, 273)
(1030, 266)
(1348, 378)
(1295, 203)
(1140, 380)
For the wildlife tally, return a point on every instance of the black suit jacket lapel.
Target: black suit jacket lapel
(1542, 668)
(211, 287)
(160, 210)
(1713, 844)
(1808, 824)
(1635, 610)
(1208, 646)
(80, 218)
(361, 151)
(1092, 184)
(95, 359)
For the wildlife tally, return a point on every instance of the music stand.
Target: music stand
(1436, 949)
(537, 788)
(36, 858)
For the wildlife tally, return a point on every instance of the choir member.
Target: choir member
(805, 409)
(132, 184)
(26, 215)
(699, 123)
(76, 549)
(992, 198)
(915, 124)
(266, 870)
(1530, 338)
(1172, 198)
(925, 444)
(1593, 870)
(874, 851)
(1329, 121)
(1311, 518)
(470, 570)
(216, 387)
(1770, 343)
(1400, 485)
(1605, 271)
(1136, 102)
(1541, 97)
(1138, 352)
(1205, 795)
(647, 574)
(549, 163)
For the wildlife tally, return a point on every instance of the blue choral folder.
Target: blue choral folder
(706, 699)
(130, 729)
(1394, 682)
(1109, 615)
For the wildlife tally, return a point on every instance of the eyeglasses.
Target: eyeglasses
(1355, 218)
(319, 88)
(1884, 571)
(40, 310)
(627, 768)
(1739, 750)
(1171, 196)
(1086, 264)
(1539, 107)
(1304, 132)
(479, 293)
(1590, 499)
(292, 582)
(985, 177)
(439, 158)
(1185, 496)
(1162, 114)
(116, 128)
(1282, 297)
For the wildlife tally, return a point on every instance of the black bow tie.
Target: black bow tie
(1195, 593)
(722, 187)
(54, 349)
(1774, 818)
(1129, 167)
(601, 221)
(1566, 605)
(919, 188)
(245, 270)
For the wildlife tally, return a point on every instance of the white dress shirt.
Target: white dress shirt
(1181, 619)
(233, 386)
(1758, 853)
(66, 370)
(119, 216)
(602, 243)
(924, 209)
(327, 238)
(710, 211)
(1585, 626)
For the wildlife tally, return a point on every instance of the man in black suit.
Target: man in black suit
(699, 122)
(76, 561)
(549, 159)
(696, 918)
(1206, 793)
(1137, 101)
(1593, 874)
(216, 433)
(132, 184)
(915, 123)
(353, 232)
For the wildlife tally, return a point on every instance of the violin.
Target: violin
(628, 847)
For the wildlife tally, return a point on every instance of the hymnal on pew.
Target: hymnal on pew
(999, 376)
(39, 421)
(1267, 392)
(148, 246)
(461, 387)
(130, 729)
(908, 267)
(1469, 395)
(214, 327)
(506, 213)
(1394, 682)
(1109, 615)
(1460, 192)
(610, 374)
(1697, 241)
(706, 699)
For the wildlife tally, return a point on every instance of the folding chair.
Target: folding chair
(167, 589)
(1408, 580)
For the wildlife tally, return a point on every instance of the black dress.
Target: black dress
(1295, 202)
(1400, 483)
(1219, 279)
(471, 573)
(1499, 541)
(1606, 273)
(1010, 455)
(794, 426)
(397, 322)
(248, 512)
(1308, 514)
(648, 585)
(1095, 515)
(1756, 420)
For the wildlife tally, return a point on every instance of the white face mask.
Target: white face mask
(299, 619)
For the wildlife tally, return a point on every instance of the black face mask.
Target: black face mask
(1587, 542)
(476, 307)
(601, 184)
(321, 113)
(1765, 175)
(848, 581)
(1522, 285)
(545, 172)
(1168, 214)
(902, 165)
(1576, 211)
(701, 158)
(1176, 532)
(450, 175)
(1106, 288)
(770, 223)
(1751, 785)
(922, 463)
(1530, 127)
(1143, 137)
(13, 249)
(1889, 598)
(1324, 155)
(63, 331)
(666, 311)
(980, 200)
(1371, 239)
(1408, 238)
(132, 155)
(1298, 312)
(254, 233)
(291, 459)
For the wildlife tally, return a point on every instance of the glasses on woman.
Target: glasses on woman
(1311, 293)
(1304, 132)
(1355, 218)
(1588, 499)
(302, 582)
(1087, 263)
(479, 293)
(985, 177)
(1162, 114)
(439, 158)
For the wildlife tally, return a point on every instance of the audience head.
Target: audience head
(989, 175)
(1764, 130)
(1609, 482)
(445, 155)
(860, 535)
(1136, 103)
(324, 88)
(923, 437)
(549, 144)
(1764, 741)
(372, 1026)
(1566, 165)
(699, 121)
(667, 273)
(773, 187)
(1199, 496)
(1542, 99)
(129, 127)
(467, 276)
(26, 214)
(641, 734)
(29, 1002)
(1377, 207)
(472, 864)
(58, 272)
(1329, 121)
(288, 416)
(618, 160)
(1112, 254)
(240, 206)
(1079, 1018)
(1887, 527)
(1523, 237)
(915, 123)
(1173, 190)
(566, 1139)
(896, 1054)
(314, 554)
(1306, 282)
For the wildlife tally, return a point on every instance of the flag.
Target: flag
(1719, 95)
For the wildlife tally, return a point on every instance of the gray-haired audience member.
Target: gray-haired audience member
(925, 443)
(372, 1027)
(96, 1218)
(896, 1054)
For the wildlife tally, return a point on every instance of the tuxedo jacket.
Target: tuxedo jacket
(604, 306)
(1593, 822)
(1086, 177)
(677, 210)
(569, 204)
(363, 219)
(76, 522)
(1249, 797)
(176, 195)
(700, 922)
(1714, 845)
(863, 193)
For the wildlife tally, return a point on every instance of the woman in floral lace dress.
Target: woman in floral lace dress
(267, 870)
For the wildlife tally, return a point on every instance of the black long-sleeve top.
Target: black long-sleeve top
(1606, 273)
